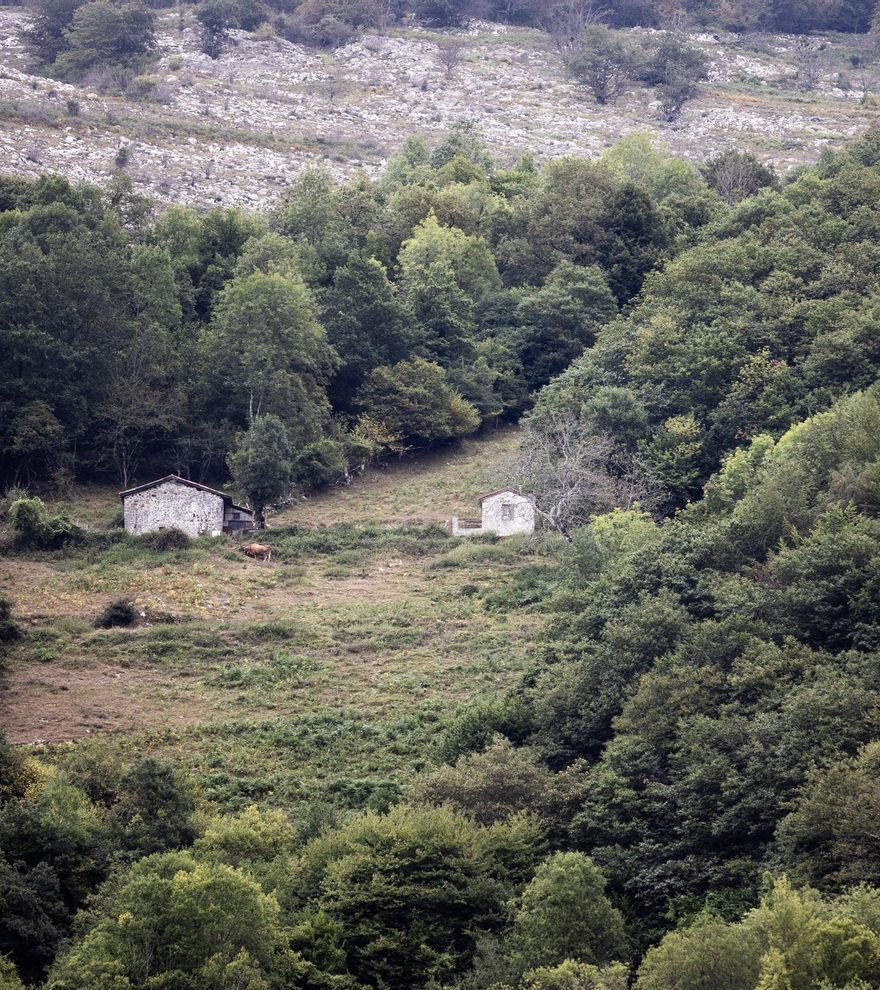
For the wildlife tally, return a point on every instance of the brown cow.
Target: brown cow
(259, 551)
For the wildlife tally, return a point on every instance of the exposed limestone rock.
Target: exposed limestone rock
(238, 129)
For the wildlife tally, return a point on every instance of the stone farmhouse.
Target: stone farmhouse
(177, 503)
(504, 513)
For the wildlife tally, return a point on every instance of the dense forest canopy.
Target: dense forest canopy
(682, 792)
(135, 344)
(382, 316)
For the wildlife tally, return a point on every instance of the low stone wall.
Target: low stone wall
(466, 527)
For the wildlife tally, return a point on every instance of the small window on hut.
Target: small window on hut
(507, 511)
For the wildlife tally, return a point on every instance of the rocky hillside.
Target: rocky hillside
(236, 130)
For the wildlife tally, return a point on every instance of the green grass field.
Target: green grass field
(323, 676)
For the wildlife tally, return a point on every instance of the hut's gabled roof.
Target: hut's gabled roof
(499, 491)
(227, 499)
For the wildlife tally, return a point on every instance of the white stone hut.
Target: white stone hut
(503, 512)
(177, 503)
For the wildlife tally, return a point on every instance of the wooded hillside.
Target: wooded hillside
(643, 753)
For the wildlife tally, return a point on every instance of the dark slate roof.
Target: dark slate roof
(227, 499)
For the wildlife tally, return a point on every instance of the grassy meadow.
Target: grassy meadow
(322, 676)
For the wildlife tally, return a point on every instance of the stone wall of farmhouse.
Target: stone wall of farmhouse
(173, 506)
(508, 513)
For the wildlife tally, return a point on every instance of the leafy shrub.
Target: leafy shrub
(470, 553)
(321, 463)
(167, 539)
(414, 541)
(321, 32)
(108, 78)
(528, 586)
(473, 728)
(218, 17)
(674, 59)
(142, 88)
(571, 975)
(261, 461)
(9, 979)
(102, 33)
(489, 787)
(364, 792)
(9, 628)
(9, 498)
(736, 175)
(34, 527)
(604, 62)
(564, 913)
(441, 13)
(189, 908)
(117, 613)
(154, 810)
(414, 403)
(674, 67)
(426, 878)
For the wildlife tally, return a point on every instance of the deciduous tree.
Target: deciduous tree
(574, 472)
(413, 402)
(103, 33)
(174, 919)
(262, 462)
(603, 61)
(270, 353)
(366, 324)
(564, 913)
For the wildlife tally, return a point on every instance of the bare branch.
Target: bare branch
(450, 52)
(809, 57)
(566, 20)
(575, 472)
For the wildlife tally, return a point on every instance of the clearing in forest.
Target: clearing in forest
(325, 674)
(418, 492)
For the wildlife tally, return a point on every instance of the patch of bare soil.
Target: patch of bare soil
(58, 702)
(384, 628)
(51, 703)
(32, 587)
(375, 581)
